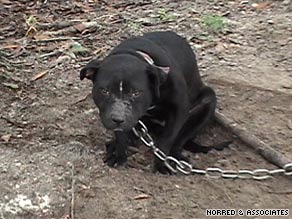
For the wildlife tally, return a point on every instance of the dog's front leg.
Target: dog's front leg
(165, 142)
(116, 150)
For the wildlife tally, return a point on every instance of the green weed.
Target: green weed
(166, 16)
(135, 27)
(214, 22)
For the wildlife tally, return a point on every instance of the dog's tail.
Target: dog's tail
(197, 148)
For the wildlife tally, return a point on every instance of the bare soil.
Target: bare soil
(52, 141)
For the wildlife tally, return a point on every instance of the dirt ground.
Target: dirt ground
(52, 141)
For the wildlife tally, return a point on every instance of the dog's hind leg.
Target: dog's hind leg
(199, 116)
(197, 148)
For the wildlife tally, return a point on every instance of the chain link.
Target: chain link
(181, 166)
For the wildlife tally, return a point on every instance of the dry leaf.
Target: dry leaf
(287, 87)
(67, 216)
(86, 8)
(5, 2)
(80, 27)
(289, 124)
(261, 5)
(81, 99)
(41, 37)
(10, 46)
(11, 85)
(220, 47)
(39, 75)
(6, 137)
(61, 59)
(31, 32)
(141, 196)
(32, 96)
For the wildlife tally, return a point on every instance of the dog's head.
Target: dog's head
(124, 87)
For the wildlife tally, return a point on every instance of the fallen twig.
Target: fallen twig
(56, 39)
(39, 75)
(288, 4)
(15, 123)
(53, 53)
(12, 62)
(57, 25)
(252, 141)
(72, 206)
(81, 99)
(74, 29)
(1, 211)
(141, 197)
(6, 65)
(280, 192)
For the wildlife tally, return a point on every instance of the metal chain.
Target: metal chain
(181, 166)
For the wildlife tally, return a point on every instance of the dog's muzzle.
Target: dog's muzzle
(120, 114)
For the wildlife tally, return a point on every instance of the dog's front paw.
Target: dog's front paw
(114, 157)
(113, 160)
(159, 166)
(121, 161)
(110, 160)
(179, 156)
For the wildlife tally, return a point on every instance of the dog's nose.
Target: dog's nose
(117, 120)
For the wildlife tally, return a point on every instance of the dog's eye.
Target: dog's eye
(104, 91)
(136, 93)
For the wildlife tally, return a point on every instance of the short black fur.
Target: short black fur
(127, 88)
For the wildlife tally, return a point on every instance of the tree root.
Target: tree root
(252, 141)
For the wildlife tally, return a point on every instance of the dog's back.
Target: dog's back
(177, 53)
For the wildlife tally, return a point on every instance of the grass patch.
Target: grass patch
(135, 27)
(214, 23)
(166, 16)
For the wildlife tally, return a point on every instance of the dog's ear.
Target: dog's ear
(90, 70)
(157, 76)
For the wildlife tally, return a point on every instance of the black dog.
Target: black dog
(154, 77)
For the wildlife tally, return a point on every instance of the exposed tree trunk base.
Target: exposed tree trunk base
(252, 141)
